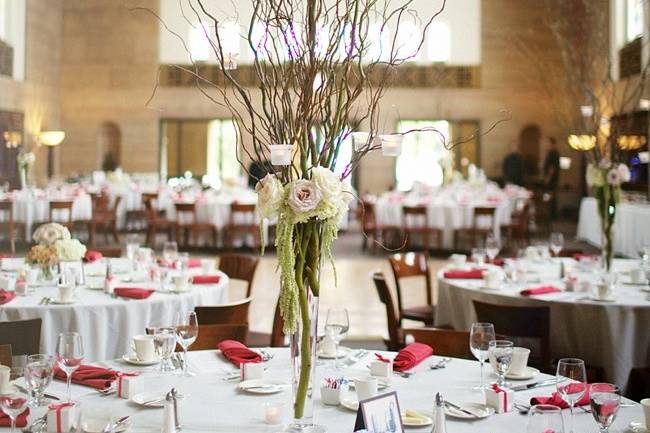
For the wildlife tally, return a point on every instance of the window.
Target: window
(378, 43)
(407, 42)
(199, 44)
(222, 150)
(422, 153)
(439, 42)
(634, 22)
(229, 35)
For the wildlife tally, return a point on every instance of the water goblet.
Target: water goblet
(38, 376)
(605, 400)
(479, 342)
(337, 325)
(492, 246)
(556, 242)
(545, 418)
(170, 252)
(500, 353)
(478, 256)
(69, 355)
(164, 340)
(187, 329)
(13, 404)
(571, 383)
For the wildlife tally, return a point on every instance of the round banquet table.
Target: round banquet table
(211, 404)
(612, 335)
(106, 323)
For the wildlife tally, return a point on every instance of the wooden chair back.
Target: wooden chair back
(149, 196)
(412, 213)
(367, 215)
(247, 211)
(239, 267)
(110, 252)
(7, 209)
(392, 317)
(57, 206)
(410, 265)
(5, 354)
(183, 210)
(235, 313)
(211, 335)
(445, 342)
(151, 213)
(100, 202)
(520, 322)
(481, 213)
(24, 336)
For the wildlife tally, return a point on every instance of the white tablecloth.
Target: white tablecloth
(107, 323)
(211, 404)
(612, 335)
(631, 226)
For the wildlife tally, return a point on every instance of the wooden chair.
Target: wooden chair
(445, 342)
(155, 223)
(242, 221)
(103, 216)
(517, 233)
(59, 206)
(395, 337)
(275, 338)
(369, 227)
(416, 223)
(5, 355)
(136, 219)
(239, 267)
(211, 335)
(235, 313)
(413, 265)
(24, 336)
(111, 252)
(530, 323)
(188, 225)
(477, 232)
(9, 225)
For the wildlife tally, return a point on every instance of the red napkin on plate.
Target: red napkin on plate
(21, 421)
(89, 375)
(238, 353)
(133, 292)
(206, 279)
(539, 290)
(556, 399)
(191, 263)
(472, 274)
(6, 296)
(92, 256)
(411, 356)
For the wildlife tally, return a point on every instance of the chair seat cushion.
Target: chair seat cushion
(423, 313)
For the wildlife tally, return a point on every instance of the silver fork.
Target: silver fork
(440, 364)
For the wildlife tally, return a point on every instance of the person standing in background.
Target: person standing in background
(513, 166)
(552, 173)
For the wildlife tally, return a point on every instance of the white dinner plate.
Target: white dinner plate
(122, 427)
(350, 402)
(528, 373)
(263, 386)
(480, 410)
(131, 359)
(382, 383)
(417, 422)
(157, 398)
(342, 352)
(637, 427)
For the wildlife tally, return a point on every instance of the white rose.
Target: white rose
(594, 176)
(613, 177)
(47, 234)
(269, 193)
(69, 249)
(304, 196)
(327, 182)
(624, 173)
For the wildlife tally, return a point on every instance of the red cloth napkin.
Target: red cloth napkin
(191, 263)
(133, 292)
(473, 274)
(238, 353)
(6, 296)
(496, 262)
(89, 375)
(539, 290)
(411, 356)
(580, 256)
(21, 420)
(556, 399)
(206, 279)
(92, 256)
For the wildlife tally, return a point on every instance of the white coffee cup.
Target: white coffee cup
(8, 283)
(603, 291)
(328, 347)
(519, 360)
(366, 387)
(645, 404)
(458, 260)
(66, 292)
(493, 278)
(181, 282)
(143, 347)
(637, 276)
(5, 374)
(330, 396)
(208, 266)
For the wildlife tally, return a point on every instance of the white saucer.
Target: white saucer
(342, 352)
(350, 402)
(269, 386)
(637, 427)
(641, 283)
(595, 299)
(131, 359)
(528, 373)
(481, 411)
(143, 397)
(421, 422)
(382, 383)
(60, 302)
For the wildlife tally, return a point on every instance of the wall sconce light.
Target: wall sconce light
(582, 142)
(631, 142)
(644, 104)
(587, 110)
(565, 162)
(51, 139)
(12, 139)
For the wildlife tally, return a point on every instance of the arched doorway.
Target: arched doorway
(109, 146)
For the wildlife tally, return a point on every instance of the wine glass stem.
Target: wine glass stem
(13, 425)
(69, 380)
(336, 355)
(481, 373)
(185, 361)
(571, 418)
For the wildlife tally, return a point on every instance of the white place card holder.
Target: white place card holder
(61, 417)
(380, 414)
(381, 368)
(500, 399)
(7, 283)
(5, 384)
(251, 370)
(128, 386)
(76, 268)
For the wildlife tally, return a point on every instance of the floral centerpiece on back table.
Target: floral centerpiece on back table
(54, 245)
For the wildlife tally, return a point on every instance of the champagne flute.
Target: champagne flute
(573, 389)
(478, 256)
(164, 340)
(337, 325)
(187, 329)
(500, 352)
(556, 242)
(170, 252)
(545, 418)
(479, 343)
(13, 404)
(69, 354)
(605, 399)
(492, 246)
(38, 376)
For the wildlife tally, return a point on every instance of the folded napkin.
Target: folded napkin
(133, 292)
(496, 262)
(580, 256)
(475, 274)
(411, 356)
(206, 279)
(6, 296)
(556, 399)
(21, 420)
(539, 290)
(238, 353)
(89, 375)
(191, 263)
(92, 256)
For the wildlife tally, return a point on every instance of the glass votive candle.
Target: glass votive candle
(361, 140)
(391, 145)
(280, 154)
(274, 412)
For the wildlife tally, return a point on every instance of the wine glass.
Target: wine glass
(500, 352)
(479, 343)
(187, 329)
(132, 246)
(556, 242)
(545, 418)
(573, 389)
(492, 246)
(69, 354)
(96, 419)
(164, 340)
(183, 261)
(170, 252)
(13, 404)
(337, 325)
(478, 256)
(605, 399)
(38, 376)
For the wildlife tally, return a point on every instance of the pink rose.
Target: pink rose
(304, 196)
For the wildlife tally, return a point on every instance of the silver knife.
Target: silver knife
(24, 390)
(534, 385)
(463, 410)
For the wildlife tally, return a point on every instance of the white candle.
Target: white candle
(274, 412)
(391, 145)
(280, 154)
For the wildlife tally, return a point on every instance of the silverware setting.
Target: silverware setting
(440, 364)
(461, 409)
(24, 390)
(404, 374)
(46, 301)
(266, 356)
(353, 359)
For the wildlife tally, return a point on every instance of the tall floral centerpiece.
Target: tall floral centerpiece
(54, 245)
(25, 160)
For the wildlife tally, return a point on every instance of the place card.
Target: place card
(380, 413)
(129, 385)
(500, 399)
(61, 417)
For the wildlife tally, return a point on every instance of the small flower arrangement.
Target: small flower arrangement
(69, 249)
(43, 256)
(48, 234)
(607, 173)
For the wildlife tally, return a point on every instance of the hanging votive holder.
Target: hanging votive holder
(361, 140)
(391, 145)
(280, 154)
